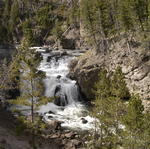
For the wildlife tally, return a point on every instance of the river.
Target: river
(68, 108)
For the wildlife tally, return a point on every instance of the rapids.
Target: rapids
(67, 107)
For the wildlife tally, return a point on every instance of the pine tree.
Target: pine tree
(3, 33)
(3, 79)
(43, 17)
(126, 15)
(87, 11)
(119, 87)
(104, 23)
(141, 10)
(109, 110)
(102, 93)
(28, 32)
(134, 122)
(5, 19)
(6, 13)
(31, 84)
(104, 17)
(74, 13)
(14, 16)
(146, 131)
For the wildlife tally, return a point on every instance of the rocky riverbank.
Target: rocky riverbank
(53, 136)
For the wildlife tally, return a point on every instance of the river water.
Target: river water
(68, 108)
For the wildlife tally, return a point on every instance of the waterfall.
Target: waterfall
(57, 84)
(67, 107)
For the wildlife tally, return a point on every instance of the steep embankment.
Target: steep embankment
(135, 63)
(53, 139)
(8, 138)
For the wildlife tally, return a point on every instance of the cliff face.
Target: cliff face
(135, 63)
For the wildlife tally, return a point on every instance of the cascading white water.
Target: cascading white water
(66, 108)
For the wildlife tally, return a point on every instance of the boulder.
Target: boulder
(67, 43)
(58, 77)
(50, 112)
(76, 142)
(48, 58)
(60, 97)
(49, 117)
(64, 53)
(70, 135)
(84, 121)
(61, 100)
(54, 125)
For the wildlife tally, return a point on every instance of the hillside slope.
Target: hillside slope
(135, 64)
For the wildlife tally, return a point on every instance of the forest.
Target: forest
(113, 99)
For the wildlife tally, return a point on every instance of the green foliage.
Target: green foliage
(26, 126)
(7, 9)
(74, 13)
(32, 88)
(119, 88)
(57, 30)
(109, 110)
(135, 113)
(44, 100)
(136, 122)
(31, 82)
(3, 33)
(103, 86)
(120, 123)
(21, 127)
(102, 19)
(88, 15)
(126, 15)
(141, 10)
(27, 31)
(6, 83)
(14, 16)
(43, 17)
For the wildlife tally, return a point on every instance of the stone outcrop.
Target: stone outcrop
(6, 51)
(135, 63)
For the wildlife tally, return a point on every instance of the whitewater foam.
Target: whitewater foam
(71, 115)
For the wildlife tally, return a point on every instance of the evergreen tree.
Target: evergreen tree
(6, 13)
(145, 137)
(3, 33)
(74, 13)
(119, 87)
(109, 110)
(3, 79)
(43, 17)
(105, 23)
(134, 122)
(87, 11)
(14, 16)
(27, 32)
(104, 17)
(5, 19)
(31, 84)
(102, 92)
(126, 15)
(141, 10)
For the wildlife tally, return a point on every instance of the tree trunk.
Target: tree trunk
(32, 103)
